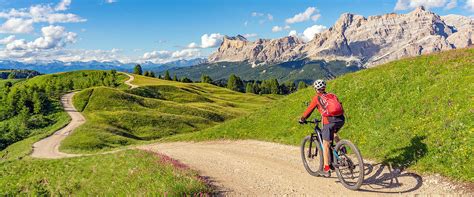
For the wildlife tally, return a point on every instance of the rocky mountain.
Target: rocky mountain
(354, 38)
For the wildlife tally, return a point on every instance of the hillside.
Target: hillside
(17, 74)
(300, 70)
(156, 109)
(414, 113)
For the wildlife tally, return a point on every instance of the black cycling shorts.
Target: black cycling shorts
(335, 124)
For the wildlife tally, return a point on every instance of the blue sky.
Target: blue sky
(164, 30)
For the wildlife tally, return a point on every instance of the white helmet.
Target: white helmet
(319, 84)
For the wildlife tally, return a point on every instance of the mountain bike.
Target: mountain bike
(345, 157)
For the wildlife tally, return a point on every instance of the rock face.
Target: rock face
(371, 41)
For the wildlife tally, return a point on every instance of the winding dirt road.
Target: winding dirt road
(254, 168)
(129, 81)
(260, 168)
(49, 147)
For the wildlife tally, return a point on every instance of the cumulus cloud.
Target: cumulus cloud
(293, 33)
(212, 40)
(166, 56)
(63, 5)
(156, 55)
(310, 13)
(22, 20)
(277, 29)
(263, 17)
(193, 45)
(7, 39)
(410, 4)
(17, 26)
(308, 33)
(52, 37)
(110, 1)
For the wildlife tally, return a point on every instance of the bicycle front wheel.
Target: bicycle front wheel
(312, 155)
(350, 166)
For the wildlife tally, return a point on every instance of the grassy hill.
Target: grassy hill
(119, 174)
(157, 109)
(415, 113)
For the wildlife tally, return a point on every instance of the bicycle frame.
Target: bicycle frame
(318, 136)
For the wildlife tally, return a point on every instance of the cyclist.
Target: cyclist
(332, 117)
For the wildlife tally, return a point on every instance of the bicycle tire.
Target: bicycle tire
(315, 148)
(354, 153)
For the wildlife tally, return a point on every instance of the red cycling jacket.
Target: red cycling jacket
(313, 105)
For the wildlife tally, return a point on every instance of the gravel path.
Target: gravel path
(255, 168)
(129, 81)
(49, 147)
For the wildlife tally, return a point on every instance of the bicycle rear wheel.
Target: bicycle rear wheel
(349, 166)
(312, 155)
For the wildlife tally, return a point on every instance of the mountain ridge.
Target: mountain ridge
(370, 41)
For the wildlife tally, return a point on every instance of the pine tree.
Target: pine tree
(12, 75)
(146, 74)
(167, 76)
(152, 74)
(37, 103)
(186, 80)
(235, 83)
(175, 78)
(206, 79)
(274, 86)
(256, 87)
(249, 88)
(302, 85)
(138, 70)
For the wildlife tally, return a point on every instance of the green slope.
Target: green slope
(119, 174)
(300, 70)
(155, 110)
(416, 113)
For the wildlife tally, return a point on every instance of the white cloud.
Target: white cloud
(7, 40)
(110, 1)
(255, 14)
(167, 56)
(470, 5)
(308, 33)
(52, 37)
(186, 54)
(63, 5)
(246, 23)
(270, 17)
(277, 29)
(21, 20)
(411, 4)
(286, 27)
(17, 26)
(293, 33)
(156, 55)
(192, 45)
(250, 35)
(212, 40)
(310, 13)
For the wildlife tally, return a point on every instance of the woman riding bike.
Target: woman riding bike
(333, 119)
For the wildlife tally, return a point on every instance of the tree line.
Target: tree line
(235, 83)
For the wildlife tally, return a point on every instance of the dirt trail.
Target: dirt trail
(129, 81)
(255, 168)
(49, 147)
